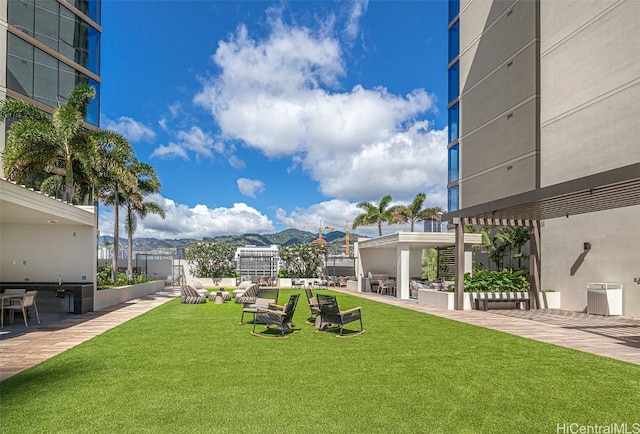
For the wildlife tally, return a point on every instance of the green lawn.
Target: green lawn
(194, 369)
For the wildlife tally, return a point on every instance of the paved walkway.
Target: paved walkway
(614, 337)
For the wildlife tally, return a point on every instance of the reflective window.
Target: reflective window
(454, 121)
(46, 28)
(90, 8)
(19, 65)
(34, 73)
(454, 81)
(453, 200)
(454, 9)
(454, 163)
(58, 28)
(21, 15)
(45, 79)
(454, 41)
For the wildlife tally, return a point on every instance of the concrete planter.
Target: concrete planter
(112, 296)
(443, 299)
(218, 282)
(285, 282)
(352, 285)
(549, 300)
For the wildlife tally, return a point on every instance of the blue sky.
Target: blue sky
(259, 115)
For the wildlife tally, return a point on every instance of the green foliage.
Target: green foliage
(430, 264)
(302, 260)
(210, 259)
(104, 278)
(375, 214)
(496, 281)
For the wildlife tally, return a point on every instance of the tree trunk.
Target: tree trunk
(116, 234)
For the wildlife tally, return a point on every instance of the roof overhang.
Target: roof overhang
(21, 205)
(417, 240)
(611, 189)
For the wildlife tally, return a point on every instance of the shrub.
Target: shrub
(495, 281)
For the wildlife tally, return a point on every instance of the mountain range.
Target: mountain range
(335, 241)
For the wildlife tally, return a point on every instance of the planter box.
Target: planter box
(549, 300)
(443, 299)
(218, 282)
(112, 296)
(285, 282)
(352, 285)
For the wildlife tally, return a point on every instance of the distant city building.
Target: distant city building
(257, 261)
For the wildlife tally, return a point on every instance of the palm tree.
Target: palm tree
(375, 214)
(136, 206)
(113, 162)
(36, 143)
(414, 213)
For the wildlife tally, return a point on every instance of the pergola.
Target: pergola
(610, 189)
(394, 251)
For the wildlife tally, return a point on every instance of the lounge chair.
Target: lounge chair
(282, 319)
(313, 306)
(189, 295)
(241, 288)
(265, 297)
(199, 287)
(331, 315)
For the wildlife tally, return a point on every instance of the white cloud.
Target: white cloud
(249, 187)
(278, 95)
(352, 27)
(195, 222)
(170, 151)
(337, 214)
(129, 128)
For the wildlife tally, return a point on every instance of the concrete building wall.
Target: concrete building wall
(590, 86)
(499, 100)
(614, 256)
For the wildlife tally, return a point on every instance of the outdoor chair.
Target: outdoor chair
(249, 295)
(199, 287)
(280, 319)
(242, 288)
(263, 281)
(332, 316)
(22, 304)
(387, 287)
(313, 306)
(189, 295)
(265, 297)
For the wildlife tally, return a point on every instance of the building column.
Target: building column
(534, 263)
(403, 266)
(459, 257)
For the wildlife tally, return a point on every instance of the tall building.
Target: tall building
(47, 48)
(544, 122)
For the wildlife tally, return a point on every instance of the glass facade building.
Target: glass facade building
(50, 48)
(453, 106)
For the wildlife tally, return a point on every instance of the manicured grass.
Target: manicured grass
(194, 369)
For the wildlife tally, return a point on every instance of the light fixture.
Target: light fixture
(52, 221)
(587, 246)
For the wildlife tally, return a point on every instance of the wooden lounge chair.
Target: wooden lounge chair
(265, 297)
(331, 315)
(279, 319)
(313, 306)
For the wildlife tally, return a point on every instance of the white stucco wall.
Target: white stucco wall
(40, 253)
(614, 256)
